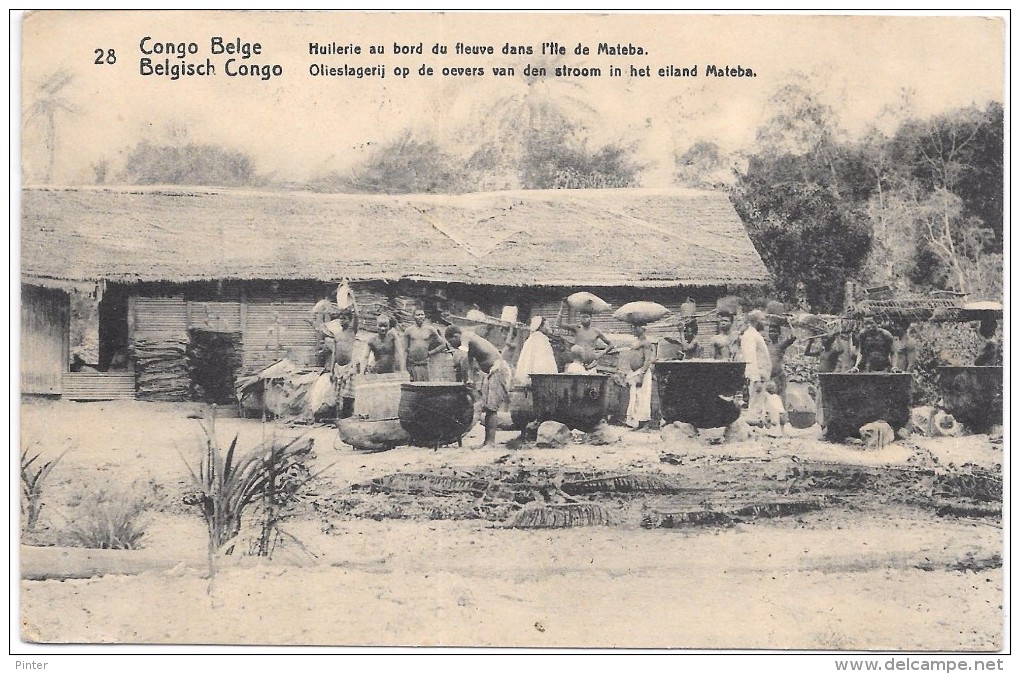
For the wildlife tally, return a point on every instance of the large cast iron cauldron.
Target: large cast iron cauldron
(973, 395)
(699, 392)
(435, 413)
(522, 409)
(577, 400)
(850, 401)
(372, 435)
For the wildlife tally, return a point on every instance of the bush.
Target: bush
(108, 519)
(188, 164)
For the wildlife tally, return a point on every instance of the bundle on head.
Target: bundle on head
(588, 303)
(641, 313)
(730, 303)
(776, 311)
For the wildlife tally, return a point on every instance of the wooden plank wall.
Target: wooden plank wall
(45, 325)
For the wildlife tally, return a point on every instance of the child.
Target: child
(775, 411)
(576, 364)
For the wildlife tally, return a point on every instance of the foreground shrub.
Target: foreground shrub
(229, 486)
(108, 520)
(34, 473)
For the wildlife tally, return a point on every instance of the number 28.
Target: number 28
(107, 57)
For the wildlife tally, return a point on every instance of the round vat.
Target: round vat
(973, 395)
(850, 401)
(577, 400)
(372, 435)
(435, 413)
(699, 392)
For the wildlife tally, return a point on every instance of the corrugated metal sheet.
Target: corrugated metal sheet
(275, 330)
(155, 317)
(215, 316)
(99, 385)
(45, 322)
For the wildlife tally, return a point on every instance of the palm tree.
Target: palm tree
(532, 105)
(49, 100)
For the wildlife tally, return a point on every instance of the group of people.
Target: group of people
(763, 355)
(760, 342)
(874, 348)
(589, 345)
(389, 349)
(410, 350)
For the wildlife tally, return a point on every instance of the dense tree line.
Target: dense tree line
(918, 209)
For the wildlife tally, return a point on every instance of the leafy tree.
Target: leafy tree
(551, 161)
(188, 164)
(705, 165)
(803, 197)
(960, 151)
(937, 210)
(803, 230)
(403, 166)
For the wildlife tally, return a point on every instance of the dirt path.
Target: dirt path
(873, 567)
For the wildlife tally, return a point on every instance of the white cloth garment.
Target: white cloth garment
(536, 358)
(639, 409)
(755, 352)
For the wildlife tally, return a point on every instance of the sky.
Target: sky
(296, 125)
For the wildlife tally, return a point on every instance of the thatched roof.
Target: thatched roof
(622, 237)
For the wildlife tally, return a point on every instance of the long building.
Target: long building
(165, 264)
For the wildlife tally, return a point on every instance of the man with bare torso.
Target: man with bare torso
(641, 359)
(384, 346)
(991, 353)
(587, 337)
(905, 348)
(875, 349)
(689, 346)
(724, 344)
(777, 346)
(829, 350)
(495, 390)
(420, 342)
(338, 337)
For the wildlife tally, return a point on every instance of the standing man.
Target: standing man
(828, 349)
(777, 351)
(689, 346)
(875, 348)
(338, 337)
(537, 355)
(498, 375)
(639, 408)
(990, 353)
(904, 348)
(587, 337)
(384, 346)
(420, 342)
(755, 352)
(724, 341)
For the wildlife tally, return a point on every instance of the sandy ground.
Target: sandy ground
(853, 576)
